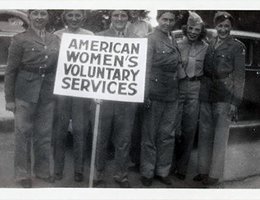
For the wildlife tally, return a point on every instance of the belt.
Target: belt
(41, 70)
(194, 78)
(217, 77)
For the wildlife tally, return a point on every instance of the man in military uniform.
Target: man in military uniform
(221, 94)
(29, 81)
(75, 108)
(193, 50)
(161, 101)
(116, 118)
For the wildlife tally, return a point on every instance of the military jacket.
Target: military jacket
(163, 60)
(192, 54)
(27, 53)
(224, 72)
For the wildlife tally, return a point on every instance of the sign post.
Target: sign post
(103, 68)
(94, 145)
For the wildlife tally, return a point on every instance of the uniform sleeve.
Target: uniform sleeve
(207, 70)
(150, 50)
(13, 62)
(238, 75)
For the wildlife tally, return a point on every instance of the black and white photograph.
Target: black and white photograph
(134, 99)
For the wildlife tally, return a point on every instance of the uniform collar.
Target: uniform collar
(120, 33)
(39, 32)
(160, 31)
(70, 31)
(37, 38)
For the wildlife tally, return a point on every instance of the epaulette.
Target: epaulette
(240, 43)
(178, 40)
(150, 33)
(19, 34)
(205, 42)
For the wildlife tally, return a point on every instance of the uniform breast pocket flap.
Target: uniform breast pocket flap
(28, 76)
(224, 57)
(164, 49)
(32, 49)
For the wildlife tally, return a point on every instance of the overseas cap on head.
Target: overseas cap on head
(221, 16)
(194, 19)
(127, 12)
(161, 12)
(30, 10)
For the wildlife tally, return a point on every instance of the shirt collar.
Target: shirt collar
(40, 33)
(120, 33)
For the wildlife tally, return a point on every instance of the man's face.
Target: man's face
(193, 32)
(39, 18)
(74, 19)
(223, 29)
(119, 19)
(166, 22)
(134, 13)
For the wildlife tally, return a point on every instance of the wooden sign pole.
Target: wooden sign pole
(94, 144)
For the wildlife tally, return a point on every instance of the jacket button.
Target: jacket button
(45, 47)
(46, 57)
(156, 80)
(163, 51)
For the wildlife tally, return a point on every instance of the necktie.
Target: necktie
(121, 34)
(42, 35)
(218, 43)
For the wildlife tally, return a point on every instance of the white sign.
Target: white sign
(101, 67)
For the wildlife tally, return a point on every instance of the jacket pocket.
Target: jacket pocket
(28, 76)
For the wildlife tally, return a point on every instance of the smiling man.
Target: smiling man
(74, 108)
(221, 93)
(193, 50)
(29, 80)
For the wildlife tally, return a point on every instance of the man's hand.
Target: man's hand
(10, 106)
(147, 103)
(98, 101)
(233, 113)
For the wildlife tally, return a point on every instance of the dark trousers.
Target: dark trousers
(158, 138)
(116, 119)
(77, 109)
(33, 130)
(187, 121)
(135, 149)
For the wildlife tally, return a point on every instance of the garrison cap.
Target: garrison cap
(161, 12)
(127, 12)
(194, 19)
(221, 16)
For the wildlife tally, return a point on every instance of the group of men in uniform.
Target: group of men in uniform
(187, 80)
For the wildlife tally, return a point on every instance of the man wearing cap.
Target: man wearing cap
(29, 81)
(161, 103)
(116, 118)
(193, 50)
(221, 94)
